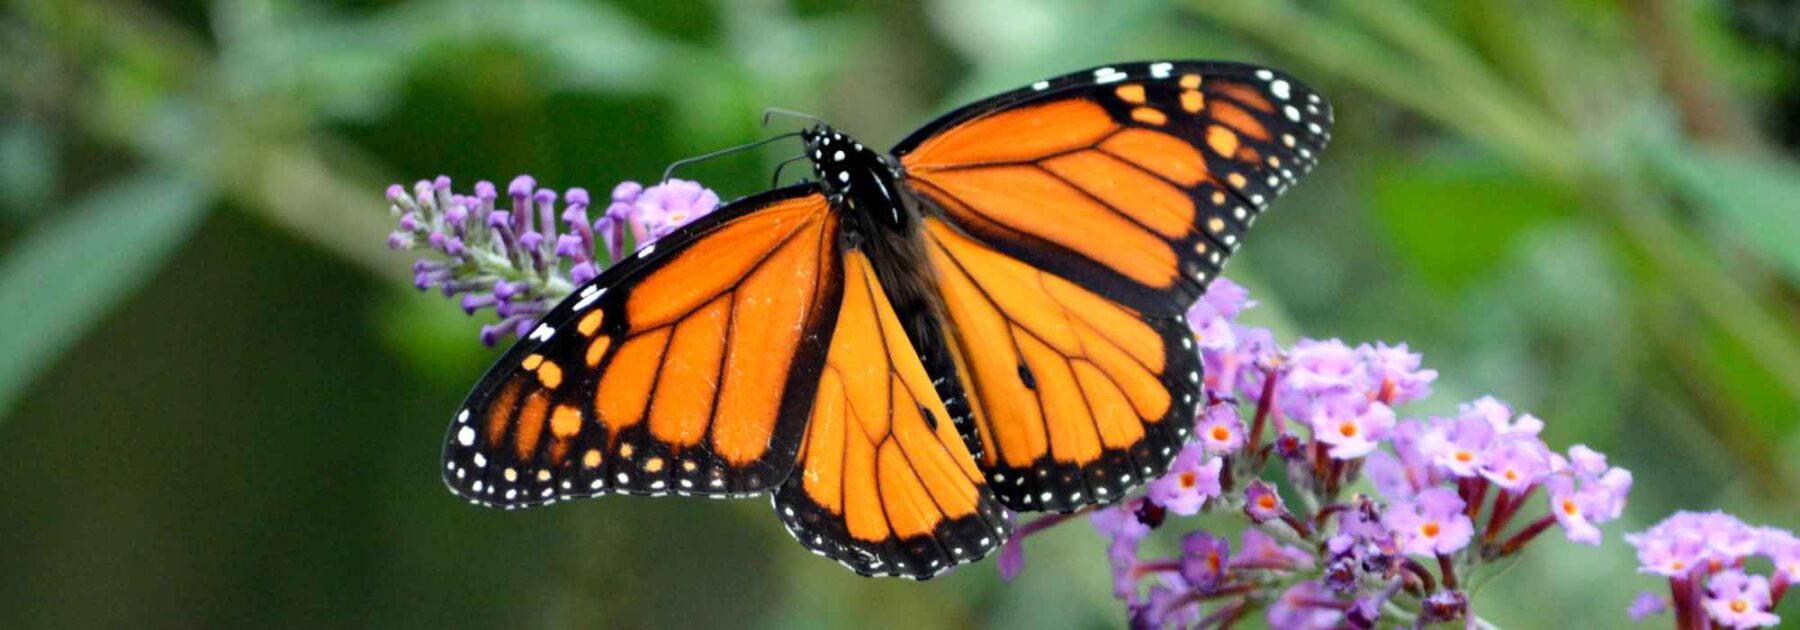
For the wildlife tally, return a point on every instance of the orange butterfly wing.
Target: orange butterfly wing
(1070, 225)
(885, 484)
(688, 368)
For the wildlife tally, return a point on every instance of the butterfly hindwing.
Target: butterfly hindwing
(885, 484)
(1071, 223)
(1077, 399)
(687, 368)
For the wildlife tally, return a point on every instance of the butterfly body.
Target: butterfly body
(987, 317)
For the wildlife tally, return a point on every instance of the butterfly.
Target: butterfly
(988, 317)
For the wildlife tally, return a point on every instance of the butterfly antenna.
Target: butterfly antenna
(767, 113)
(726, 151)
(776, 181)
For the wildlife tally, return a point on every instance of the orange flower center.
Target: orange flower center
(1570, 508)
(1266, 502)
(1221, 434)
(1347, 429)
(1429, 529)
(1512, 475)
(1187, 480)
(1465, 456)
(1739, 606)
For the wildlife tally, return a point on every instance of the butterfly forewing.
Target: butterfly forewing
(688, 368)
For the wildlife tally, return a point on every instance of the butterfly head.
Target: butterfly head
(842, 164)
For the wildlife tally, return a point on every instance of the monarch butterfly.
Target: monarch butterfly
(988, 316)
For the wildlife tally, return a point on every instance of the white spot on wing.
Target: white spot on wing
(466, 436)
(1161, 70)
(1279, 89)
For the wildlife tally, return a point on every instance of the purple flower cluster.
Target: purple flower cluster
(1452, 491)
(520, 260)
(1703, 554)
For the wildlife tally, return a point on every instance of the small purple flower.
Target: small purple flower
(1220, 430)
(1205, 559)
(1736, 600)
(1304, 606)
(1585, 492)
(1192, 479)
(1456, 444)
(1352, 430)
(662, 208)
(1646, 604)
(1515, 461)
(1433, 523)
(1394, 374)
(1262, 503)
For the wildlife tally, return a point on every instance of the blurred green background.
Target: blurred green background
(221, 402)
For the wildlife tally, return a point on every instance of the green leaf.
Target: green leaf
(1756, 197)
(68, 273)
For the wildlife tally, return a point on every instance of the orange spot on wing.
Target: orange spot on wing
(1190, 81)
(550, 375)
(565, 422)
(590, 322)
(532, 361)
(531, 423)
(1222, 141)
(682, 405)
(624, 390)
(1013, 135)
(1149, 115)
(1159, 152)
(591, 459)
(1129, 190)
(1131, 93)
(1192, 102)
